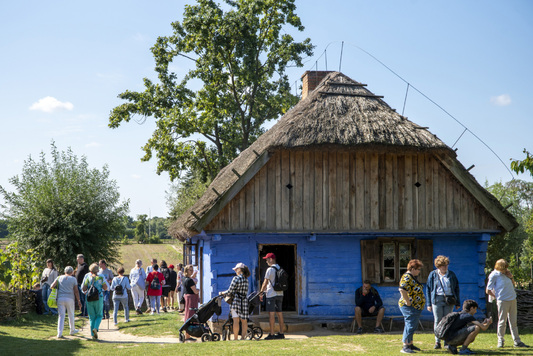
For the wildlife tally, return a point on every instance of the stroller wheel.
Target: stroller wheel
(182, 338)
(258, 332)
(206, 337)
(215, 337)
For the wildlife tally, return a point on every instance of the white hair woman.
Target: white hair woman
(138, 284)
(67, 294)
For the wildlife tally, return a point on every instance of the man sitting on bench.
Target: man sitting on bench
(368, 303)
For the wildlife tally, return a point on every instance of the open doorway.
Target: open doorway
(286, 258)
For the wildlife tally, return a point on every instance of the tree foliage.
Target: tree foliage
(62, 207)
(20, 268)
(515, 246)
(184, 193)
(240, 51)
(520, 166)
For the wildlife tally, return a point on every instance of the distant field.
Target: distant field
(172, 253)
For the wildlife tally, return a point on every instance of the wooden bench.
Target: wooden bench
(394, 317)
(353, 327)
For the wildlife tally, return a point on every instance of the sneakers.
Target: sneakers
(95, 334)
(520, 344)
(138, 311)
(279, 336)
(359, 331)
(270, 337)
(437, 346)
(406, 350)
(466, 351)
(500, 344)
(451, 349)
(378, 330)
(152, 313)
(74, 332)
(115, 324)
(60, 337)
(414, 348)
(165, 310)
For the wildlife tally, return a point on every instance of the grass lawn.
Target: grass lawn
(145, 252)
(34, 335)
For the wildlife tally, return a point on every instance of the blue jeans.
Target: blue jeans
(82, 300)
(46, 293)
(155, 303)
(411, 317)
(116, 304)
(107, 305)
(440, 309)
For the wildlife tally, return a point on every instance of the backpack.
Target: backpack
(155, 284)
(443, 327)
(92, 293)
(281, 283)
(166, 274)
(119, 290)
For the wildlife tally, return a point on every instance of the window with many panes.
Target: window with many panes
(385, 260)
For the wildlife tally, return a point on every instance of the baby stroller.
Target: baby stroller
(253, 331)
(197, 326)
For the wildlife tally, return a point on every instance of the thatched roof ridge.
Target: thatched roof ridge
(339, 114)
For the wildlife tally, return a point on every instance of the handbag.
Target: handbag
(448, 299)
(228, 298)
(52, 298)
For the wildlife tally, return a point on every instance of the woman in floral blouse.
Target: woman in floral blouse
(239, 307)
(411, 304)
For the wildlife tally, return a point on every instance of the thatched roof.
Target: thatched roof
(339, 114)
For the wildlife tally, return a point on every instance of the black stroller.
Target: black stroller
(254, 332)
(197, 326)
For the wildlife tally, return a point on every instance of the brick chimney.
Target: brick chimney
(311, 79)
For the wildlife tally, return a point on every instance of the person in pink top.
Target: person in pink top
(155, 281)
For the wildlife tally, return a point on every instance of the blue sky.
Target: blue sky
(63, 64)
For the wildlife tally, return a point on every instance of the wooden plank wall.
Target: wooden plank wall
(299, 191)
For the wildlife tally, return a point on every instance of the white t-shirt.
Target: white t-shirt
(271, 276)
(66, 287)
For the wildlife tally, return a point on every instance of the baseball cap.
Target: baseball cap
(171, 266)
(239, 265)
(270, 255)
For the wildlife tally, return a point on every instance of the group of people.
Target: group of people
(442, 291)
(239, 308)
(90, 287)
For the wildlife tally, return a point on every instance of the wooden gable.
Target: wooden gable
(335, 191)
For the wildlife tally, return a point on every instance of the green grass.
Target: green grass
(131, 252)
(34, 335)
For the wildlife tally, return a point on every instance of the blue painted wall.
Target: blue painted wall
(329, 267)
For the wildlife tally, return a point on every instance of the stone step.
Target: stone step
(289, 327)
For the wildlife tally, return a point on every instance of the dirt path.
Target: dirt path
(114, 335)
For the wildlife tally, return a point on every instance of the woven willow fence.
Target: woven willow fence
(13, 305)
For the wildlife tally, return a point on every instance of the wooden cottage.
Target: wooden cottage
(342, 189)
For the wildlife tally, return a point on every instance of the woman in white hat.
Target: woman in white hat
(239, 307)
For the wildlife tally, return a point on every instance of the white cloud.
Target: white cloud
(51, 104)
(93, 144)
(501, 100)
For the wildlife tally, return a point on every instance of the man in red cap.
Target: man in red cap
(274, 298)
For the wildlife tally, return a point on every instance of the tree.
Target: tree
(525, 165)
(140, 228)
(515, 246)
(184, 193)
(240, 57)
(62, 207)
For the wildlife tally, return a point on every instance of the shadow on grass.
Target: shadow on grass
(12, 345)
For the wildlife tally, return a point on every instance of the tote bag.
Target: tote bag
(52, 298)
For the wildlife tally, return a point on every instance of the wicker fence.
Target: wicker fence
(524, 299)
(13, 305)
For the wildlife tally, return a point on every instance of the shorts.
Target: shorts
(365, 312)
(165, 291)
(458, 337)
(273, 304)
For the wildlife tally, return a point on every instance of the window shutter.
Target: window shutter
(424, 252)
(370, 260)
